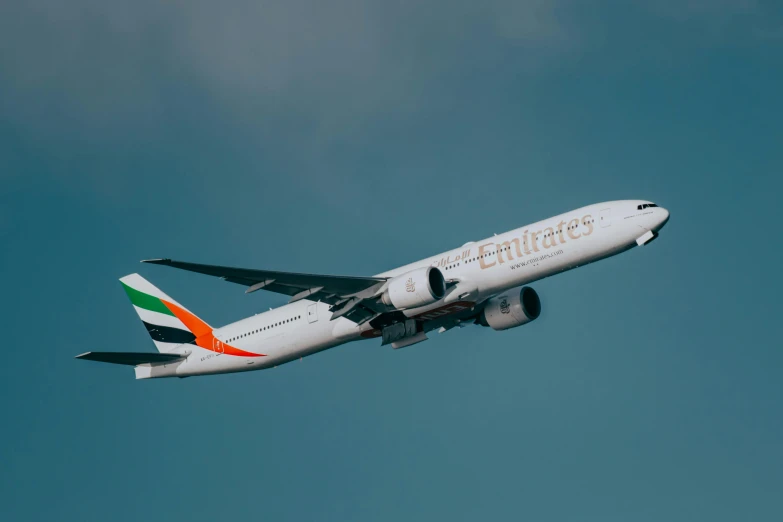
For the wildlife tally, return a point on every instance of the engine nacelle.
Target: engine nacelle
(416, 288)
(516, 307)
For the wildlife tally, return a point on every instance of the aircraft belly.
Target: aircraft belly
(309, 339)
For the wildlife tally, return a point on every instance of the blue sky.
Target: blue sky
(350, 139)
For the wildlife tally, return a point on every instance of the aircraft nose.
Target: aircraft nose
(662, 218)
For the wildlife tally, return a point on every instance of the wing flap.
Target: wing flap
(130, 358)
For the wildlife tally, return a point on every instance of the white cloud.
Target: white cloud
(107, 67)
(100, 64)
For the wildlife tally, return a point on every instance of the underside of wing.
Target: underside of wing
(298, 286)
(349, 296)
(129, 358)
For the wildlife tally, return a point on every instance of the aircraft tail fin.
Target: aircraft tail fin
(169, 323)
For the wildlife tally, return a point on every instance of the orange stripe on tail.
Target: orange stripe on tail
(203, 332)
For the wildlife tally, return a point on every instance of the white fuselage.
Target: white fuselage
(482, 268)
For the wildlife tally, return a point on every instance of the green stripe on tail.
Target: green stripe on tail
(146, 301)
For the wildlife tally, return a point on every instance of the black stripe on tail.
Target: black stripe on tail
(168, 334)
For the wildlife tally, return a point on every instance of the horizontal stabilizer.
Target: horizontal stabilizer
(130, 358)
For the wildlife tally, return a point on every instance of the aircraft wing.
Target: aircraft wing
(349, 294)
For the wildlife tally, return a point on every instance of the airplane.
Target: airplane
(482, 283)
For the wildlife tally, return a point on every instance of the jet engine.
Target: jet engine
(515, 307)
(416, 288)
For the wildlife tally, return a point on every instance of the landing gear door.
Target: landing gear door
(606, 217)
(312, 313)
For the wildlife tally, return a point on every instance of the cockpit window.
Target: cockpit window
(646, 205)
